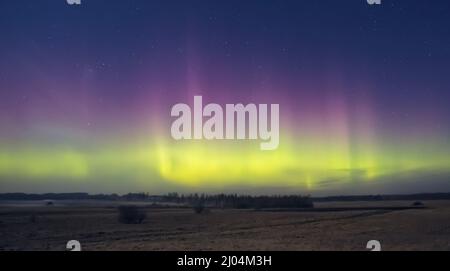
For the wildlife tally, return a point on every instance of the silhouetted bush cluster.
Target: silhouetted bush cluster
(199, 208)
(200, 202)
(130, 214)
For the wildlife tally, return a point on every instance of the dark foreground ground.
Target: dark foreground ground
(39, 227)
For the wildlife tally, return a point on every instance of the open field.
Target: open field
(36, 227)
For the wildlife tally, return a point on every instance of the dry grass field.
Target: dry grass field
(34, 227)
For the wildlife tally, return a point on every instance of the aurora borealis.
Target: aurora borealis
(86, 93)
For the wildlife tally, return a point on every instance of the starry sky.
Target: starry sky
(86, 92)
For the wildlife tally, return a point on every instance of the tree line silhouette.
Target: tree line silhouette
(222, 200)
(241, 201)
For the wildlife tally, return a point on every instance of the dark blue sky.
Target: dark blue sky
(397, 41)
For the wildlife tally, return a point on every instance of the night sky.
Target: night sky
(86, 93)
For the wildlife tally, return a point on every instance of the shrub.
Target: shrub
(418, 203)
(130, 214)
(199, 207)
